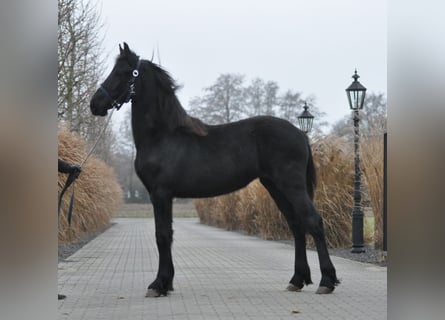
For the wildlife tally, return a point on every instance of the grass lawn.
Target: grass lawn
(368, 229)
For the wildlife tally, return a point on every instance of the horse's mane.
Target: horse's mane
(170, 110)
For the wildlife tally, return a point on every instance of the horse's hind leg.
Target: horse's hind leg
(162, 205)
(302, 273)
(312, 223)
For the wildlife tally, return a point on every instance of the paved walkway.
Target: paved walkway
(219, 275)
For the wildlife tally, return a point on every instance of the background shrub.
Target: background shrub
(97, 193)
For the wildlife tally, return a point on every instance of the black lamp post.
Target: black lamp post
(356, 97)
(305, 119)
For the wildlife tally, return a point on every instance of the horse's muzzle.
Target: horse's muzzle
(97, 106)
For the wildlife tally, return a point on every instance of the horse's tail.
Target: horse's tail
(311, 176)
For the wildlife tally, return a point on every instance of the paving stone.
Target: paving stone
(218, 275)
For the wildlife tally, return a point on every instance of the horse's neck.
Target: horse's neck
(144, 123)
(154, 116)
(139, 134)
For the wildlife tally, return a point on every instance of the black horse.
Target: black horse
(179, 156)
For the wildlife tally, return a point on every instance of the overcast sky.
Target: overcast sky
(307, 46)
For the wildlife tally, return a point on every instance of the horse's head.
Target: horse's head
(118, 87)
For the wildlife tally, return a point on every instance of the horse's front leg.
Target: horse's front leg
(162, 205)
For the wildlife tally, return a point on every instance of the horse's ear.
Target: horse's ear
(120, 49)
(126, 49)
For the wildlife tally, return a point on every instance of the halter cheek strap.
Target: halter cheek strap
(129, 94)
(114, 103)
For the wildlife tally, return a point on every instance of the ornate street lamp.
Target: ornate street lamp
(305, 119)
(356, 97)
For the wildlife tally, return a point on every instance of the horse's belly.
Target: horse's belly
(209, 184)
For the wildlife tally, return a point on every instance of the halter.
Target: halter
(126, 95)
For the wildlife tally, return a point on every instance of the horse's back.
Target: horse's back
(257, 142)
(282, 148)
(279, 135)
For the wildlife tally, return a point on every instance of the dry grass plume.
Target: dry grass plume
(333, 196)
(372, 168)
(97, 192)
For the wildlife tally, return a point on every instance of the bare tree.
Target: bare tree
(255, 97)
(372, 119)
(228, 100)
(80, 65)
(344, 128)
(374, 114)
(290, 106)
(223, 101)
(270, 98)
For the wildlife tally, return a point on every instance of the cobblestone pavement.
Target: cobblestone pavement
(219, 275)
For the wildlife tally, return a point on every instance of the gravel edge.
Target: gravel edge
(67, 249)
(371, 255)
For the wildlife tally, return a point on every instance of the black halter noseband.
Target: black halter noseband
(125, 96)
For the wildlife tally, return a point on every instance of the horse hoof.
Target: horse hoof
(324, 290)
(292, 287)
(152, 293)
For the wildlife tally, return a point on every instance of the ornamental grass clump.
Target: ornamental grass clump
(97, 192)
(372, 168)
(333, 195)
